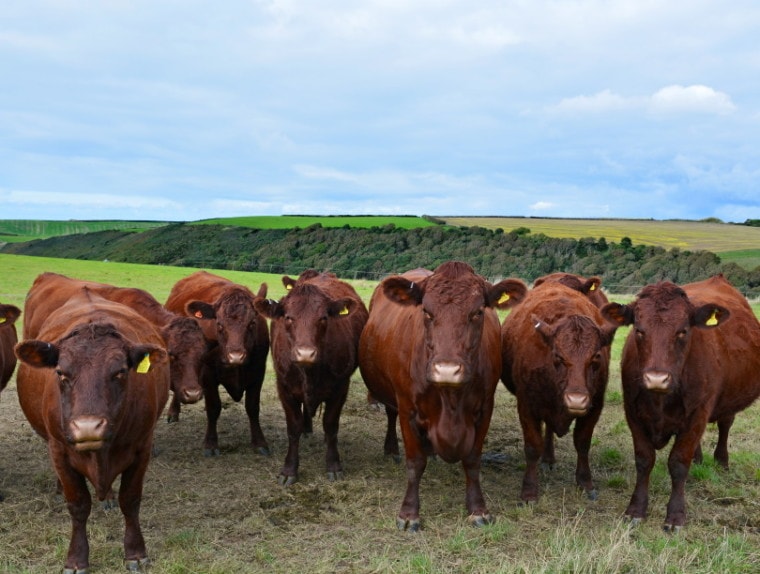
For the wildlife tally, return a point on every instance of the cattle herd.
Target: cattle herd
(97, 362)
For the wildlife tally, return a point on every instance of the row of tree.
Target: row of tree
(378, 251)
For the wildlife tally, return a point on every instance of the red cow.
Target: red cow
(590, 287)
(8, 316)
(93, 384)
(8, 339)
(315, 332)
(430, 352)
(226, 313)
(692, 357)
(182, 335)
(556, 354)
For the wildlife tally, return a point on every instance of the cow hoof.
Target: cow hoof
(108, 504)
(76, 571)
(480, 519)
(172, 419)
(140, 565)
(527, 503)
(672, 528)
(333, 476)
(633, 520)
(211, 452)
(408, 524)
(547, 466)
(264, 451)
(592, 495)
(286, 480)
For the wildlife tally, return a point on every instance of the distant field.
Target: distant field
(747, 258)
(302, 221)
(686, 235)
(18, 230)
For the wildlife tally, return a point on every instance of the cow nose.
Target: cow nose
(657, 381)
(447, 373)
(190, 396)
(88, 432)
(305, 355)
(577, 403)
(236, 357)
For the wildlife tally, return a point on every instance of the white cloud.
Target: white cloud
(542, 206)
(604, 101)
(691, 99)
(85, 200)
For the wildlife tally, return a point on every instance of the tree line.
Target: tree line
(378, 251)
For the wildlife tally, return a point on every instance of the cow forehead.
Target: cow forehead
(662, 311)
(578, 335)
(305, 299)
(464, 293)
(84, 346)
(236, 304)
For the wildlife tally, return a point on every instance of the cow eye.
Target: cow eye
(639, 334)
(120, 375)
(681, 335)
(477, 315)
(63, 379)
(428, 315)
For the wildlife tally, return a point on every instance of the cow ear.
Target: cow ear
(708, 316)
(543, 328)
(263, 288)
(143, 357)
(618, 314)
(341, 307)
(288, 282)
(608, 333)
(9, 314)
(37, 354)
(270, 308)
(200, 310)
(506, 294)
(591, 285)
(402, 291)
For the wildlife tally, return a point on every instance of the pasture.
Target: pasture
(228, 514)
(302, 221)
(17, 230)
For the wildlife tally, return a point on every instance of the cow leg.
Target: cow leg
(582, 433)
(416, 461)
(531, 427)
(130, 498)
(213, 410)
(721, 449)
(79, 504)
(330, 425)
(172, 414)
(252, 408)
(645, 454)
(679, 463)
(698, 454)
(294, 421)
(391, 438)
(548, 458)
(474, 501)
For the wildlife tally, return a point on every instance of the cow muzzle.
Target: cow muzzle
(577, 404)
(445, 373)
(305, 355)
(190, 396)
(657, 381)
(236, 358)
(88, 432)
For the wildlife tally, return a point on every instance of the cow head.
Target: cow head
(93, 365)
(580, 358)
(590, 287)
(453, 302)
(235, 322)
(186, 346)
(305, 314)
(663, 319)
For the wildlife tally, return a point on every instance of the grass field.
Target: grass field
(228, 514)
(17, 230)
(685, 235)
(302, 221)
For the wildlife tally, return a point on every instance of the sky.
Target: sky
(182, 110)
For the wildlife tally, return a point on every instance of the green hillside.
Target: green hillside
(303, 221)
(18, 230)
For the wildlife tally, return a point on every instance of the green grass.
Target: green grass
(747, 258)
(303, 221)
(18, 230)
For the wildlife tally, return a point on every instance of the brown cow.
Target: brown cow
(430, 352)
(590, 287)
(182, 335)
(692, 357)
(556, 354)
(8, 339)
(93, 384)
(315, 332)
(239, 333)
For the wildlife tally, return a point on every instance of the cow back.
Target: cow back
(8, 339)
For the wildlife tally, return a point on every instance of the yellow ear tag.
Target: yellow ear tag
(713, 320)
(343, 311)
(2, 320)
(288, 287)
(144, 365)
(503, 299)
(593, 287)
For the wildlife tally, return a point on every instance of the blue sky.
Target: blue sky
(183, 110)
